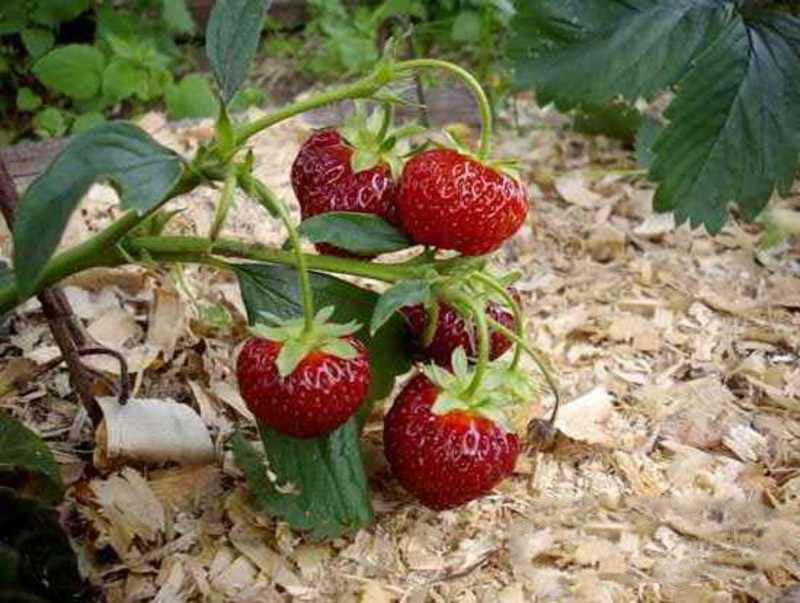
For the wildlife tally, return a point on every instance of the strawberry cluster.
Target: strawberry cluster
(447, 438)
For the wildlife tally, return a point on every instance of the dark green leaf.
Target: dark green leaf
(37, 563)
(643, 48)
(733, 133)
(406, 293)
(13, 17)
(21, 450)
(329, 494)
(362, 234)
(232, 39)
(177, 16)
(143, 171)
(37, 41)
(75, 70)
(192, 97)
(616, 120)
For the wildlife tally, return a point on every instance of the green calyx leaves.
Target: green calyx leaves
(509, 167)
(373, 140)
(298, 342)
(501, 390)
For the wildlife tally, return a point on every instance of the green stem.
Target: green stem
(480, 95)
(536, 358)
(199, 249)
(519, 325)
(479, 313)
(224, 203)
(365, 87)
(388, 117)
(273, 204)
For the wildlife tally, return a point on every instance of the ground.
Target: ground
(675, 476)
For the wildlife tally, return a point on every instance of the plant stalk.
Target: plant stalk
(519, 325)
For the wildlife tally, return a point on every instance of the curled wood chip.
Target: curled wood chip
(167, 319)
(154, 431)
(574, 188)
(583, 419)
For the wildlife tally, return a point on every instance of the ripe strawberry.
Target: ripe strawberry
(320, 394)
(454, 331)
(324, 181)
(451, 201)
(445, 460)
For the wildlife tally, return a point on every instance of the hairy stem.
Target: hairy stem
(519, 325)
(273, 204)
(224, 203)
(477, 90)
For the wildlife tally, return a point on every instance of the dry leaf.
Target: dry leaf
(574, 188)
(584, 418)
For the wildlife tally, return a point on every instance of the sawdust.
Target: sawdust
(676, 476)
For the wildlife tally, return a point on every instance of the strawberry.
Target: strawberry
(303, 386)
(449, 200)
(324, 180)
(454, 331)
(445, 459)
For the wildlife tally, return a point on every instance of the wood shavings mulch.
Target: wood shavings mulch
(676, 475)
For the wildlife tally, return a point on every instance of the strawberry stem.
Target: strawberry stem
(519, 325)
(537, 359)
(477, 90)
(274, 205)
(482, 325)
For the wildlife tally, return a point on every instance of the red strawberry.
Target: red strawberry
(453, 331)
(323, 181)
(449, 459)
(319, 395)
(450, 201)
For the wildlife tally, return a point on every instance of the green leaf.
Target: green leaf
(274, 289)
(54, 12)
(635, 48)
(13, 17)
(733, 132)
(143, 171)
(232, 39)
(615, 120)
(467, 27)
(49, 122)
(362, 234)
(37, 41)
(86, 122)
(246, 98)
(327, 487)
(123, 78)
(406, 293)
(177, 16)
(21, 450)
(75, 70)
(27, 99)
(37, 563)
(192, 97)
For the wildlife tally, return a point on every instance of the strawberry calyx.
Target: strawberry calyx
(374, 141)
(509, 167)
(298, 341)
(502, 389)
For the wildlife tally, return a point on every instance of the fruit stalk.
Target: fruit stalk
(224, 203)
(273, 204)
(482, 328)
(477, 90)
(519, 325)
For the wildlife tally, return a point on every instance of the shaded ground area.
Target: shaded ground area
(676, 476)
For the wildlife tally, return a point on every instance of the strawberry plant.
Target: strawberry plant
(730, 133)
(323, 350)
